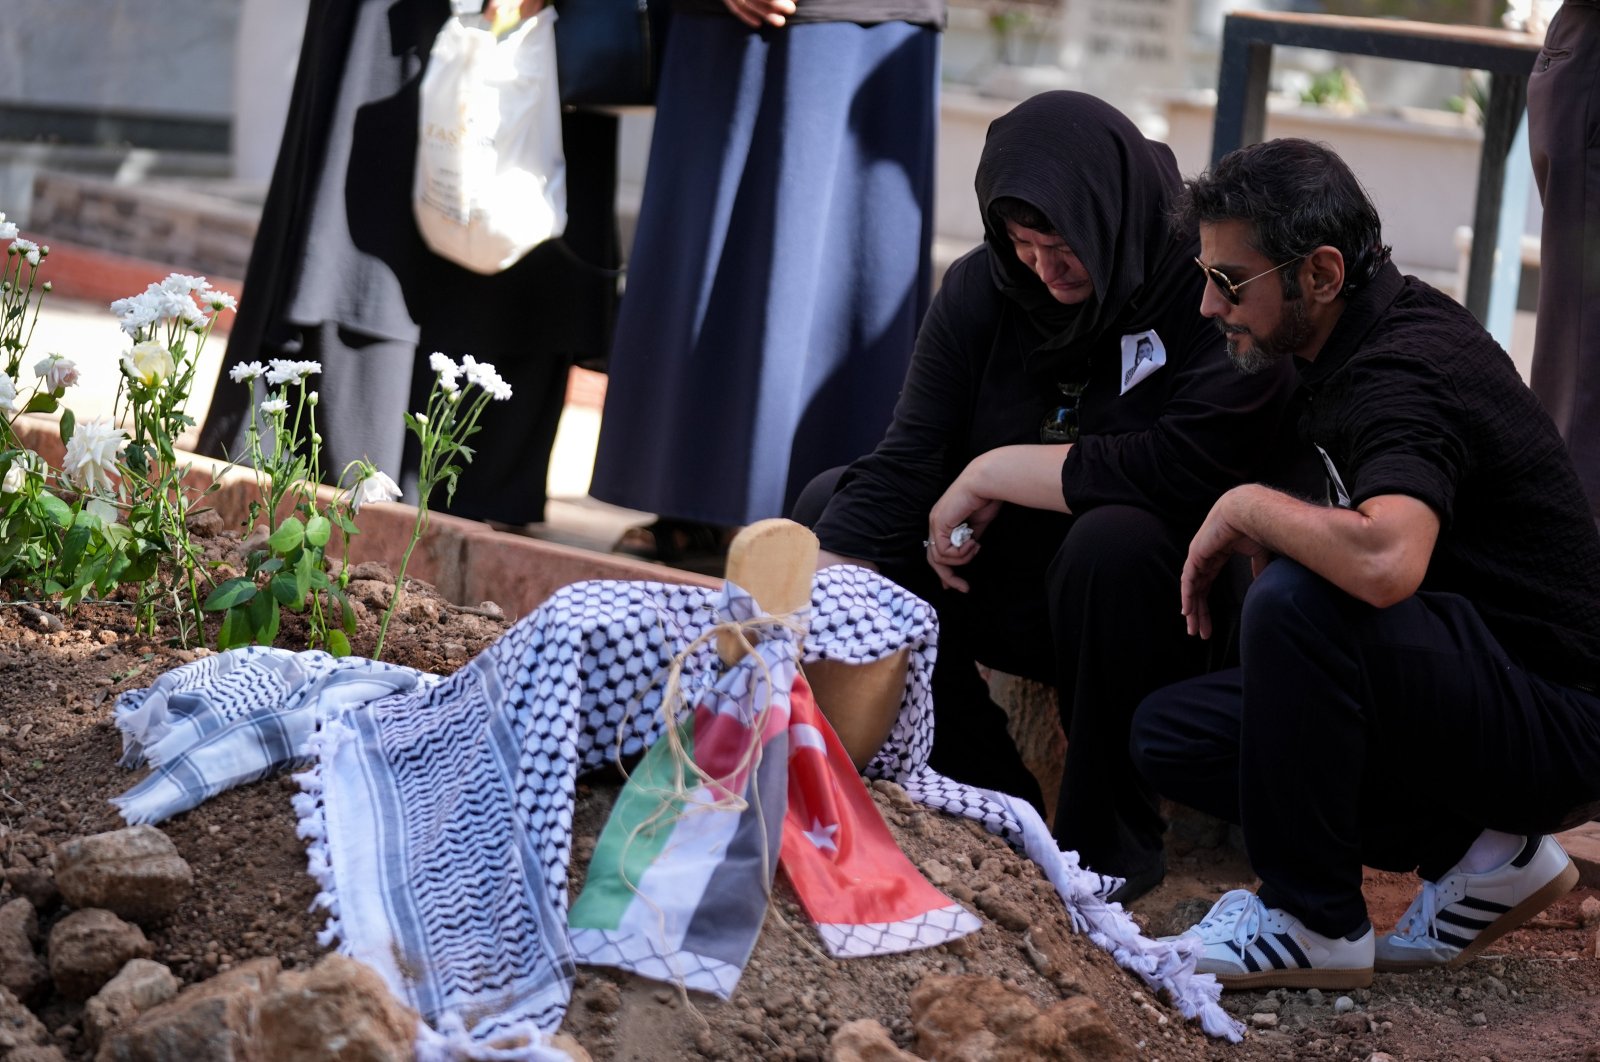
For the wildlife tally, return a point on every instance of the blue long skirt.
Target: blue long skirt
(781, 266)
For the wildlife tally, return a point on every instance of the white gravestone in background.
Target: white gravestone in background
(1124, 51)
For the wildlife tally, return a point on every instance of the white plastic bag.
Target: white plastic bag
(491, 181)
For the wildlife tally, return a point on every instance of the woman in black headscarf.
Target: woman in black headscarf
(1069, 405)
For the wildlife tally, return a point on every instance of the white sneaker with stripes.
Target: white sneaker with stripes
(1247, 944)
(1455, 918)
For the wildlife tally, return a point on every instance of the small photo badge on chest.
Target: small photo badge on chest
(1142, 354)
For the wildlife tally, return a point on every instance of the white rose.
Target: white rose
(92, 454)
(8, 394)
(16, 477)
(58, 373)
(149, 362)
(376, 486)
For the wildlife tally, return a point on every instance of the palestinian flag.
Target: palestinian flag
(679, 882)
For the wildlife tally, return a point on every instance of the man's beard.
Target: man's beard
(1290, 337)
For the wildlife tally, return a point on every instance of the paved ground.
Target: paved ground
(88, 334)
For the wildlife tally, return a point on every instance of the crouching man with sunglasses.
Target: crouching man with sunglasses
(1421, 648)
(1068, 406)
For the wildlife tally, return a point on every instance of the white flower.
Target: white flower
(178, 284)
(375, 486)
(8, 394)
(27, 248)
(58, 373)
(220, 300)
(448, 371)
(16, 477)
(311, 398)
(92, 454)
(139, 312)
(422, 418)
(246, 371)
(282, 370)
(274, 405)
(149, 363)
(484, 375)
(8, 229)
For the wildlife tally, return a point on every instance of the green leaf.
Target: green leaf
(347, 612)
(43, 402)
(289, 534)
(138, 569)
(270, 565)
(309, 563)
(68, 424)
(347, 525)
(338, 644)
(236, 630)
(55, 510)
(318, 530)
(263, 611)
(230, 595)
(72, 549)
(286, 592)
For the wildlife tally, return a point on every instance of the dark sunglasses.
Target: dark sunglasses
(1060, 425)
(1227, 288)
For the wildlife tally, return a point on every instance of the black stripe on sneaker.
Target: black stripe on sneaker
(1278, 962)
(1480, 904)
(1452, 939)
(1529, 849)
(1250, 962)
(1473, 921)
(1294, 950)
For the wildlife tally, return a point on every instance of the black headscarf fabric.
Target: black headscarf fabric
(1106, 190)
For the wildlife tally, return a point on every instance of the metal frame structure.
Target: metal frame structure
(1248, 38)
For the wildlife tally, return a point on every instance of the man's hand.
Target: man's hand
(1218, 539)
(758, 13)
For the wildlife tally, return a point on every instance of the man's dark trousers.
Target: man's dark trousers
(1353, 736)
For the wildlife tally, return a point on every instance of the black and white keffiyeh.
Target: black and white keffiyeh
(439, 811)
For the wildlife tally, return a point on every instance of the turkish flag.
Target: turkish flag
(837, 850)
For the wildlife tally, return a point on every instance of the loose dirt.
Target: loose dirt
(1533, 997)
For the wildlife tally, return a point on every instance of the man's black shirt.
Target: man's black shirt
(1411, 396)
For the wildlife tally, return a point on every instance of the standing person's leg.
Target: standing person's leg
(1564, 141)
(1119, 636)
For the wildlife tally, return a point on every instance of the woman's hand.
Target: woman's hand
(1027, 475)
(964, 502)
(758, 13)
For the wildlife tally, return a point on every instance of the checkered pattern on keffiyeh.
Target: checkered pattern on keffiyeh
(440, 814)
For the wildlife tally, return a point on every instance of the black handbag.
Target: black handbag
(608, 52)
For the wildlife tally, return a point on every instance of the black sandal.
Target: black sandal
(687, 544)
